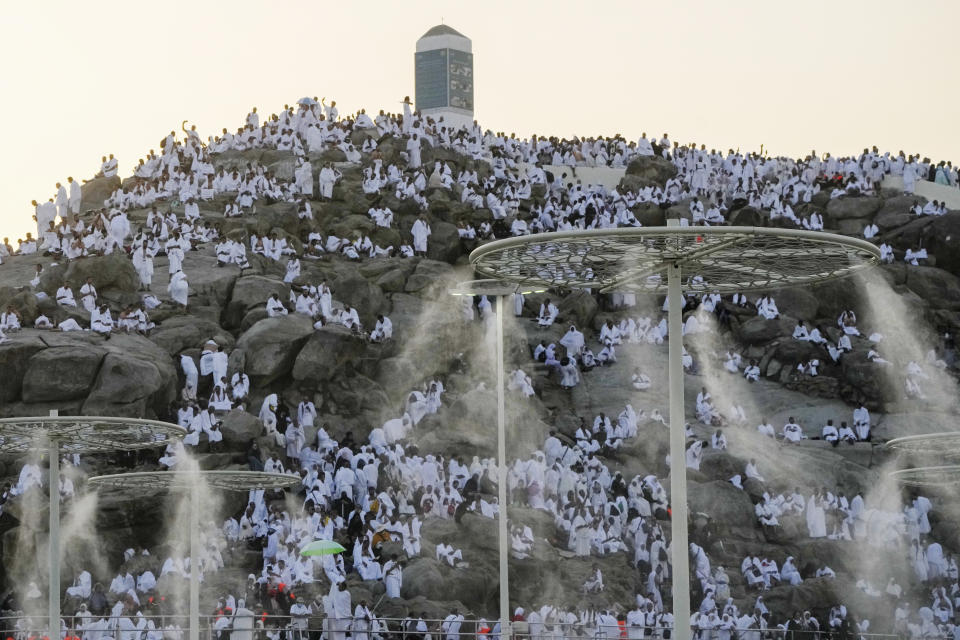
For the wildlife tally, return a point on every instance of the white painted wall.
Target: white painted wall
(929, 190)
(456, 117)
(606, 176)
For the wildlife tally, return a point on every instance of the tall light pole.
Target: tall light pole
(56, 435)
(653, 260)
(680, 576)
(501, 292)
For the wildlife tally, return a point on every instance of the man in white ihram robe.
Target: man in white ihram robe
(816, 518)
(179, 288)
(393, 577)
(242, 628)
(420, 231)
(342, 612)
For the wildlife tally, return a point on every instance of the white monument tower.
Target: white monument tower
(444, 76)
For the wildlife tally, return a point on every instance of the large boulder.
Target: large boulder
(271, 346)
(94, 192)
(278, 217)
(188, 332)
(797, 302)
(846, 208)
(749, 217)
(366, 297)
(721, 501)
(759, 330)
(578, 308)
(429, 278)
(25, 302)
(210, 283)
(938, 287)
(135, 378)
(330, 353)
(62, 373)
(944, 242)
(895, 212)
(251, 292)
(280, 163)
(14, 361)
(444, 242)
(114, 271)
(654, 169)
(239, 428)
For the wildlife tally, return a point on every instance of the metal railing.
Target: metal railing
(213, 627)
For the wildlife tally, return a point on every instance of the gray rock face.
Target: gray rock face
(127, 385)
(272, 344)
(14, 362)
(239, 428)
(944, 242)
(444, 242)
(721, 501)
(61, 373)
(329, 353)
(114, 271)
(757, 329)
(361, 294)
(428, 278)
(95, 191)
(655, 169)
(578, 308)
(846, 208)
(252, 292)
(357, 385)
(187, 332)
(941, 288)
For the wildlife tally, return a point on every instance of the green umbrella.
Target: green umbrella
(321, 548)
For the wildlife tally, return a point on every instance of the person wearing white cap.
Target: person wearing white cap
(299, 614)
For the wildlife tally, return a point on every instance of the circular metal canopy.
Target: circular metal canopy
(943, 476)
(85, 434)
(945, 444)
(717, 259)
(490, 287)
(228, 480)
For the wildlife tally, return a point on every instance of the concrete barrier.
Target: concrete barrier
(929, 190)
(606, 176)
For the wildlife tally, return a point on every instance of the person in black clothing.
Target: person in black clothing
(254, 459)
(355, 523)
(98, 600)
(471, 487)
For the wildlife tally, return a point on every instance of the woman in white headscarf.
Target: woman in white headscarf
(789, 572)
(268, 415)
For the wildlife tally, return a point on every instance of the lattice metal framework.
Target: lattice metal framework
(944, 444)
(489, 287)
(720, 259)
(85, 434)
(942, 476)
(227, 480)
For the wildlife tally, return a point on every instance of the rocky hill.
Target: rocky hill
(357, 385)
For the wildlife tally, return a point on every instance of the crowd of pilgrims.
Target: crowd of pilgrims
(383, 490)
(184, 176)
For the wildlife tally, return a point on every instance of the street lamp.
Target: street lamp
(501, 290)
(726, 259)
(57, 435)
(189, 481)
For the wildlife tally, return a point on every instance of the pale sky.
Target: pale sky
(81, 80)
